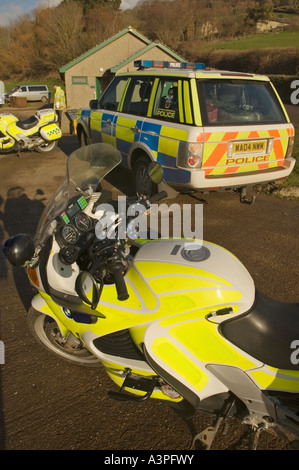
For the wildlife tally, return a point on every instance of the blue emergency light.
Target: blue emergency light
(166, 64)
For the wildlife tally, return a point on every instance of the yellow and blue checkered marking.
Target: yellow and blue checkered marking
(163, 141)
(55, 131)
(123, 131)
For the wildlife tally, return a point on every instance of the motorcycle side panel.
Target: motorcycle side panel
(269, 378)
(19, 134)
(243, 387)
(184, 345)
(50, 132)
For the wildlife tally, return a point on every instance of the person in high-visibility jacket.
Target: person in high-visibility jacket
(59, 102)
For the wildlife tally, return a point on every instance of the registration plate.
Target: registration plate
(250, 146)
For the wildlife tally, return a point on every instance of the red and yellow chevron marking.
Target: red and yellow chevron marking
(217, 161)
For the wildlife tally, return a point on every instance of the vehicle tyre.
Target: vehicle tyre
(143, 183)
(46, 146)
(43, 99)
(47, 333)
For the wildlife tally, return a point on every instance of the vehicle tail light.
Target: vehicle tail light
(195, 154)
(194, 161)
(290, 146)
(190, 155)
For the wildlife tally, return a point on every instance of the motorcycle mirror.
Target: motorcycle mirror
(155, 172)
(19, 249)
(87, 289)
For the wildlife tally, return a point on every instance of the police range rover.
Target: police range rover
(209, 129)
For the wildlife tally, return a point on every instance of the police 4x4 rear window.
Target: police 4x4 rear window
(238, 102)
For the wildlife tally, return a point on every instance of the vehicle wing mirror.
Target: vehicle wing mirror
(93, 104)
(87, 289)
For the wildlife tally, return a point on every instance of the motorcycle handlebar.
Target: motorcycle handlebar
(121, 288)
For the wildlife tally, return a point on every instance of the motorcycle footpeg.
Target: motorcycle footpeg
(122, 396)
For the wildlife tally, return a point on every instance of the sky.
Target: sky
(10, 11)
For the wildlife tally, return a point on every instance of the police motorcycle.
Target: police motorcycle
(39, 132)
(170, 319)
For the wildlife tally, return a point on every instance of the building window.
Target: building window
(79, 81)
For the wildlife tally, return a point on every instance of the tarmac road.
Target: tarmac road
(47, 404)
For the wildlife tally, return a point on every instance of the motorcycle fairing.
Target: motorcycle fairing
(6, 142)
(6, 119)
(116, 366)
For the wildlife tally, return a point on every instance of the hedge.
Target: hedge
(282, 84)
(280, 64)
(276, 61)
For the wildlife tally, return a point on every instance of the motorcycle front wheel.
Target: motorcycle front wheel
(46, 146)
(47, 333)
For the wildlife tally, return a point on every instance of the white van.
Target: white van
(30, 92)
(2, 97)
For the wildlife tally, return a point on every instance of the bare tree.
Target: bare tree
(59, 31)
(101, 23)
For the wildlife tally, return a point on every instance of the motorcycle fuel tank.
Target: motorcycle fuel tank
(197, 285)
(196, 274)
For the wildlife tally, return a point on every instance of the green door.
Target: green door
(98, 88)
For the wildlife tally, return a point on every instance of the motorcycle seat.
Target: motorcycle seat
(27, 123)
(266, 332)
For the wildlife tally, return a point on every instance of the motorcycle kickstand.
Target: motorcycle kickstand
(207, 436)
(254, 437)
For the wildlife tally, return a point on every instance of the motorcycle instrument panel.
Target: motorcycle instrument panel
(73, 209)
(75, 223)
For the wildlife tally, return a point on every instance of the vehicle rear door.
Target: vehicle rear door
(246, 129)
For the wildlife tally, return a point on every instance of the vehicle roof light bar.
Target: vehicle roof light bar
(166, 64)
